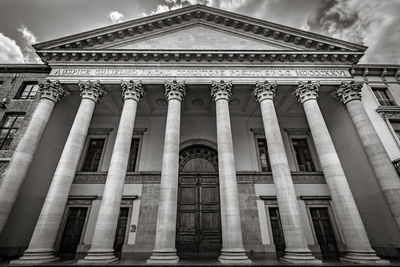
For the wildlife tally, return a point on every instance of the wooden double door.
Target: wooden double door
(199, 218)
(322, 227)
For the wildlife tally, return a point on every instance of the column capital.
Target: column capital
(91, 90)
(51, 90)
(307, 90)
(132, 90)
(349, 90)
(264, 90)
(221, 90)
(175, 90)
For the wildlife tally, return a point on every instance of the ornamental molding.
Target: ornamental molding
(51, 90)
(258, 131)
(316, 200)
(348, 91)
(175, 90)
(242, 178)
(307, 90)
(91, 90)
(132, 90)
(232, 56)
(197, 151)
(96, 44)
(100, 131)
(81, 200)
(265, 90)
(386, 72)
(389, 112)
(221, 90)
(297, 131)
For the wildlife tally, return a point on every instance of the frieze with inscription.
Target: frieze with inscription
(200, 72)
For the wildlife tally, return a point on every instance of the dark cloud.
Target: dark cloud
(334, 18)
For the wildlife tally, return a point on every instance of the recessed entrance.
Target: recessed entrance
(199, 218)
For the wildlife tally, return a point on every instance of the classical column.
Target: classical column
(297, 250)
(349, 93)
(102, 251)
(164, 251)
(232, 244)
(50, 93)
(358, 248)
(41, 247)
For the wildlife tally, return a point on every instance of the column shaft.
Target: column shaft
(381, 164)
(22, 158)
(50, 94)
(164, 251)
(297, 250)
(358, 248)
(41, 247)
(342, 198)
(102, 251)
(232, 241)
(296, 244)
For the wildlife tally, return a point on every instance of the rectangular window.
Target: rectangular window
(303, 155)
(263, 153)
(10, 125)
(396, 127)
(133, 155)
(93, 155)
(384, 96)
(28, 90)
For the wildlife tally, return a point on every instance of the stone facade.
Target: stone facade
(193, 113)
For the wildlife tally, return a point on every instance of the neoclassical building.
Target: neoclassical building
(199, 133)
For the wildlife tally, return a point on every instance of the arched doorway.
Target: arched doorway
(199, 218)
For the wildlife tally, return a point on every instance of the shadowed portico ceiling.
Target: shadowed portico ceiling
(199, 33)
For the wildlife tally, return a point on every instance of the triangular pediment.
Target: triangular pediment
(199, 29)
(197, 37)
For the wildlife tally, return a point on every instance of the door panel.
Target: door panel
(324, 232)
(121, 229)
(277, 232)
(199, 219)
(73, 230)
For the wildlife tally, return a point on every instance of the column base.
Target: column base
(99, 257)
(236, 256)
(163, 256)
(36, 256)
(363, 257)
(300, 256)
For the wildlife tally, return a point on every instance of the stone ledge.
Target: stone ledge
(242, 178)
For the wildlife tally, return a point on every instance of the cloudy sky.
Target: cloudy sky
(374, 23)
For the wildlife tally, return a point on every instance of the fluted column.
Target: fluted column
(102, 250)
(232, 243)
(41, 247)
(297, 250)
(50, 92)
(358, 248)
(349, 93)
(164, 251)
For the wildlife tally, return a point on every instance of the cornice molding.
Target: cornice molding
(389, 112)
(166, 56)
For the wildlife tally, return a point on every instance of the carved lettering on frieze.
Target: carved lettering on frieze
(200, 72)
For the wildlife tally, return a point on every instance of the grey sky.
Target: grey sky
(369, 22)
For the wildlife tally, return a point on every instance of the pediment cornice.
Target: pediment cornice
(288, 37)
(166, 56)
